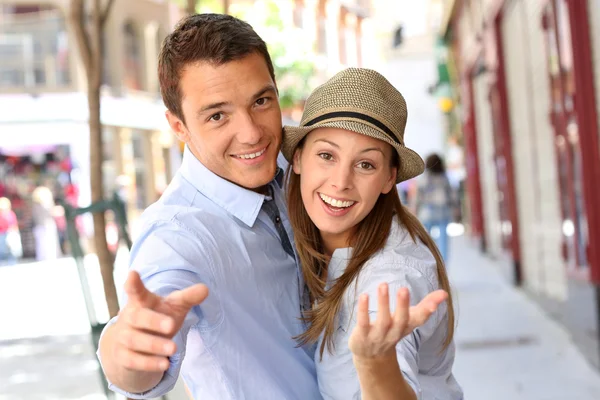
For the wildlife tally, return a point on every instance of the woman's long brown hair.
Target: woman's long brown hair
(369, 237)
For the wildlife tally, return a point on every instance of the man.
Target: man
(219, 228)
(220, 223)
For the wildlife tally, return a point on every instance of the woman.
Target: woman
(434, 201)
(45, 231)
(352, 233)
(10, 238)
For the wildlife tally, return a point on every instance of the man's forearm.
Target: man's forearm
(382, 379)
(126, 379)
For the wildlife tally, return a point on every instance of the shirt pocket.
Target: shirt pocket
(346, 321)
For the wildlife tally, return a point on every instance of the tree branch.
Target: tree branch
(76, 16)
(191, 7)
(106, 12)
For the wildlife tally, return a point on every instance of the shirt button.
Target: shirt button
(277, 219)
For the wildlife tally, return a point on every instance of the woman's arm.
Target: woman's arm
(373, 345)
(381, 378)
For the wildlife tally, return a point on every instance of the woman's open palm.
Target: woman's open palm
(378, 339)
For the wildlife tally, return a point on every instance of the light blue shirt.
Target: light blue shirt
(425, 364)
(238, 344)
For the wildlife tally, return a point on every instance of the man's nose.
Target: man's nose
(249, 132)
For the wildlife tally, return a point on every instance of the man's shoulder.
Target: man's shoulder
(194, 219)
(183, 204)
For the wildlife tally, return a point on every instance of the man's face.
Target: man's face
(232, 119)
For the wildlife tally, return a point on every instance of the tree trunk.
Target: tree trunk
(191, 7)
(105, 257)
(225, 6)
(89, 44)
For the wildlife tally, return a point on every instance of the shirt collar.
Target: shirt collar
(242, 203)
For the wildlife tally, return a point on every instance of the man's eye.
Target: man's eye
(262, 101)
(216, 117)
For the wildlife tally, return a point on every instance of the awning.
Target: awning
(447, 15)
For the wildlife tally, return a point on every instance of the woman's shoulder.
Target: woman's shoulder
(402, 259)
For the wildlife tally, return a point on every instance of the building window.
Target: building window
(299, 13)
(139, 162)
(110, 169)
(342, 37)
(133, 62)
(359, 38)
(322, 27)
(159, 38)
(33, 47)
(106, 67)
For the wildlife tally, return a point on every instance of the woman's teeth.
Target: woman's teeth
(334, 202)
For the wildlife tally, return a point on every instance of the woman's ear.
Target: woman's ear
(296, 161)
(391, 182)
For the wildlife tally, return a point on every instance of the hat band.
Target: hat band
(356, 115)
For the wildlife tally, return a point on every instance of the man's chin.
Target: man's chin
(256, 181)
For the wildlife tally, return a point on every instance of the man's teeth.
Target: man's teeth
(253, 155)
(334, 202)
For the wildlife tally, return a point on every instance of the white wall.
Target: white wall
(487, 168)
(533, 150)
(412, 76)
(411, 68)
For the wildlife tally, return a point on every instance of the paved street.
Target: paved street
(507, 348)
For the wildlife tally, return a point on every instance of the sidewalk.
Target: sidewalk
(507, 347)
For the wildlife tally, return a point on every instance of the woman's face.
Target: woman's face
(342, 174)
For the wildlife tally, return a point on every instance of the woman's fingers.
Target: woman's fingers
(401, 314)
(363, 324)
(420, 313)
(383, 322)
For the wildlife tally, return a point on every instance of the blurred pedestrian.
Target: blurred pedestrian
(434, 202)
(10, 239)
(45, 230)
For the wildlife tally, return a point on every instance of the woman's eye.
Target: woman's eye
(325, 156)
(366, 165)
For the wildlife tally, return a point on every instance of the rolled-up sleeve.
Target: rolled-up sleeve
(169, 257)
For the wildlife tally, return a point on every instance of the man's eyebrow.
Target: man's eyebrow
(260, 93)
(212, 106)
(221, 104)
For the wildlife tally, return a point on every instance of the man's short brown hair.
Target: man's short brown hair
(214, 38)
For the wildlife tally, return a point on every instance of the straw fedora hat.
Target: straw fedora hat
(362, 101)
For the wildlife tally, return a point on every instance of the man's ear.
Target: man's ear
(178, 127)
(391, 182)
(296, 161)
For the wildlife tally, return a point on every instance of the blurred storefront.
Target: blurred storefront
(528, 81)
(44, 136)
